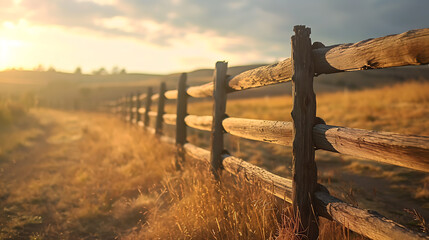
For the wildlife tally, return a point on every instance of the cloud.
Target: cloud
(232, 26)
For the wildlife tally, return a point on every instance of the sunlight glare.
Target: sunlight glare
(8, 25)
(101, 2)
(7, 48)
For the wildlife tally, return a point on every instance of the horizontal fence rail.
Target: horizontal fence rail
(365, 222)
(409, 48)
(392, 148)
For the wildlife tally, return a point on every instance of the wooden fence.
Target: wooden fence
(305, 133)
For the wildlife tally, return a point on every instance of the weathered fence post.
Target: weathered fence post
(138, 105)
(181, 112)
(131, 104)
(161, 103)
(304, 171)
(219, 108)
(124, 107)
(147, 107)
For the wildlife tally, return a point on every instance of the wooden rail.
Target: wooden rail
(411, 48)
(362, 221)
(392, 148)
(305, 133)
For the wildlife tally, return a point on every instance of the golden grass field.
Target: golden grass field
(79, 175)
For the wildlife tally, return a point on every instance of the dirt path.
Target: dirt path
(28, 167)
(71, 175)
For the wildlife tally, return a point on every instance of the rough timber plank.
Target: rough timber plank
(219, 108)
(366, 222)
(171, 94)
(169, 118)
(260, 130)
(304, 171)
(148, 103)
(199, 122)
(408, 48)
(402, 150)
(392, 148)
(181, 110)
(161, 105)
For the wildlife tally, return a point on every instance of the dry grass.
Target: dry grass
(85, 182)
(90, 176)
(10, 111)
(193, 206)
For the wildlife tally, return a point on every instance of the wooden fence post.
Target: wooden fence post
(131, 104)
(147, 107)
(161, 103)
(181, 112)
(124, 107)
(304, 171)
(138, 105)
(219, 108)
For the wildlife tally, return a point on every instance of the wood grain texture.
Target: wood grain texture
(392, 148)
(181, 110)
(402, 150)
(152, 114)
(277, 132)
(155, 97)
(169, 119)
(258, 77)
(304, 172)
(130, 108)
(276, 185)
(199, 122)
(366, 222)
(138, 105)
(262, 76)
(181, 129)
(124, 108)
(171, 94)
(197, 153)
(161, 111)
(146, 118)
(408, 48)
(219, 108)
(142, 96)
(142, 110)
(205, 90)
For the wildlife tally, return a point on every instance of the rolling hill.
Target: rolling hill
(82, 89)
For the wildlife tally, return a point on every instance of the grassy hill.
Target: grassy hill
(71, 90)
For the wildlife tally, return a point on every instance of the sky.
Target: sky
(165, 36)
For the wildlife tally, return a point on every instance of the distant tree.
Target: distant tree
(101, 71)
(123, 71)
(51, 69)
(78, 70)
(39, 68)
(115, 70)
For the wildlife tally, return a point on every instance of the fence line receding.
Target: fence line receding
(305, 133)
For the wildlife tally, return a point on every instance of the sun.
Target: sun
(7, 48)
